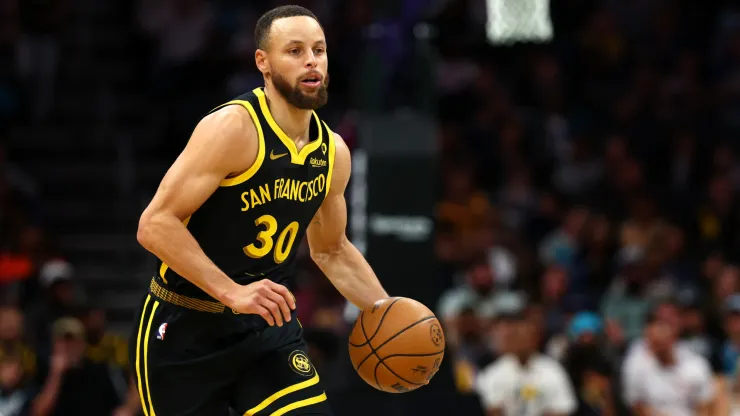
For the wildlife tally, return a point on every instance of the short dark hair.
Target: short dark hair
(262, 30)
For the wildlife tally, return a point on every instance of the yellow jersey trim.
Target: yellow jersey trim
(243, 177)
(296, 157)
(138, 356)
(164, 267)
(332, 151)
(270, 400)
(297, 405)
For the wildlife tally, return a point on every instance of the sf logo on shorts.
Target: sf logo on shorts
(300, 363)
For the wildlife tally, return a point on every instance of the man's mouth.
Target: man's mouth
(313, 81)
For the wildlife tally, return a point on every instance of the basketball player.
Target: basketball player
(217, 328)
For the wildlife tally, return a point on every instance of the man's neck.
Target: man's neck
(666, 359)
(524, 357)
(293, 121)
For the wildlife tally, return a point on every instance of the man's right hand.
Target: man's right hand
(265, 298)
(59, 363)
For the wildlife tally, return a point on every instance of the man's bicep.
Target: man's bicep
(215, 150)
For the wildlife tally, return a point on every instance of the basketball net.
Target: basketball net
(511, 21)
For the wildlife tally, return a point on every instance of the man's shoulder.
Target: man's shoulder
(545, 361)
(548, 366)
(692, 360)
(502, 364)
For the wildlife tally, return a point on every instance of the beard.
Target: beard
(296, 97)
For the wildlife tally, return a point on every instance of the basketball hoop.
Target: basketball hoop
(511, 21)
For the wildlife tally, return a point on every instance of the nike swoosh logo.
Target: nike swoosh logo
(273, 156)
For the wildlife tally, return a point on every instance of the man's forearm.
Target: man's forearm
(353, 277)
(168, 238)
(46, 400)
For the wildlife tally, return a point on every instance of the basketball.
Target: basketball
(397, 346)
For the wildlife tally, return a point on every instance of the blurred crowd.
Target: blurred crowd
(587, 212)
(593, 183)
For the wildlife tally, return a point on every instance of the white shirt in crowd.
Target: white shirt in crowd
(540, 387)
(674, 391)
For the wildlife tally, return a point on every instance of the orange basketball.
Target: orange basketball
(397, 346)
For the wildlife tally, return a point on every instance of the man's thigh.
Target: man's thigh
(283, 381)
(174, 374)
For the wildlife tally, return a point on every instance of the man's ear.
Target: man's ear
(263, 64)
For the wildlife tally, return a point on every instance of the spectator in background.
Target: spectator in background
(628, 299)
(525, 382)
(598, 256)
(74, 385)
(717, 219)
(477, 292)
(553, 293)
(12, 342)
(588, 366)
(544, 219)
(694, 333)
(15, 395)
(642, 227)
(665, 379)
(563, 245)
(42, 22)
(59, 299)
(463, 207)
(104, 347)
(472, 351)
(581, 171)
(723, 283)
(584, 328)
(731, 348)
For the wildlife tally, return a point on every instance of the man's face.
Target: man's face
(480, 279)
(529, 335)
(661, 336)
(11, 324)
(95, 321)
(71, 345)
(11, 373)
(296, 62)
(670, 315)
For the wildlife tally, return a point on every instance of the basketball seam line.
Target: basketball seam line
(374, 350)
(394, 373)
(414, 355)
(382, 318)
(362, 325)
(375, 372)
(367, 342)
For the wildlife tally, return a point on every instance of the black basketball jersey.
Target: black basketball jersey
(252, 225)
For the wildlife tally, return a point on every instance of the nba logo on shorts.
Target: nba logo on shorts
(161, 331)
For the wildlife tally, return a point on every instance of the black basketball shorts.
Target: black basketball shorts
(194, 363)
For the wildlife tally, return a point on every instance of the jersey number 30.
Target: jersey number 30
(284, 241)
